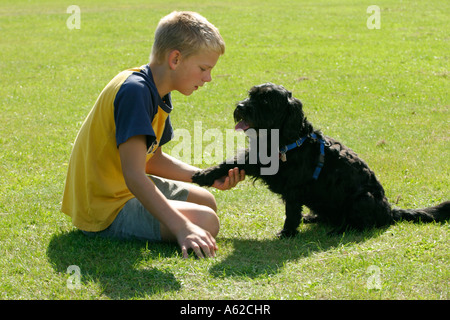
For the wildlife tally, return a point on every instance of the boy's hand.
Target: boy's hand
(230, 181)
(197, 239)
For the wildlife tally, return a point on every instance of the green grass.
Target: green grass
(382, 92)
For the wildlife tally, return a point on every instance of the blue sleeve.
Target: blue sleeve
(134, 111)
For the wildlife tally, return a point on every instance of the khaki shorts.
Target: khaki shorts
(135, 222)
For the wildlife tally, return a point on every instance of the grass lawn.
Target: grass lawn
(383, 92)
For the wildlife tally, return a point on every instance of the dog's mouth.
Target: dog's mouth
(242, 125)
(240, 116)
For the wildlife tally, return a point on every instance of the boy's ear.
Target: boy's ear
(174, 59)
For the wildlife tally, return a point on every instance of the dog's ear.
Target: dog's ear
(293, 125)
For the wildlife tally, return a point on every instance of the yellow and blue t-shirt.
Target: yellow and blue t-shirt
(95, 189)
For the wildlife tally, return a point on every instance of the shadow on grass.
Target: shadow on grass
(113, 264)
(253, 258)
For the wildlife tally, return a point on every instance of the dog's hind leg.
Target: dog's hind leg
(367, 211)
(292, 221)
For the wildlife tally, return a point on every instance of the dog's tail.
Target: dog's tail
(439, 213)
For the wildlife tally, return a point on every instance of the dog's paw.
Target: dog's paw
(310, 218)
(287, 234)
(202, 178)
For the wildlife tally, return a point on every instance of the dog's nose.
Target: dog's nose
(239, 110)
(241, 104)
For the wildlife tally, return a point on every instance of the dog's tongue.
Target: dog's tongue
(241, 125)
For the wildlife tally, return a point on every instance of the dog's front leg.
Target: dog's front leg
(293, 218)
(207, 176)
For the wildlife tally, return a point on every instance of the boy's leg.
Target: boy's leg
(134, 221)
(200, 215)
(198, 205)
(201, 196)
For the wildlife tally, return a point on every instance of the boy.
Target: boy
(108, 191)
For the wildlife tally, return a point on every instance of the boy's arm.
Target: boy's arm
(133, 156)
(166, 166)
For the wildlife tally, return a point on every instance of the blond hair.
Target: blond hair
(188, 32)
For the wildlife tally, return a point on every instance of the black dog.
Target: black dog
(313, 170)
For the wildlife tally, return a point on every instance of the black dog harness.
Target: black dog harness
(297, 144)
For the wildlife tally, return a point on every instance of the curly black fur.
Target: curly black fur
(346, 194)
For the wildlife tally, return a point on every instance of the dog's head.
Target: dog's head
(271, 106)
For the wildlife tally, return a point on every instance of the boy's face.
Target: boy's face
(193, 71)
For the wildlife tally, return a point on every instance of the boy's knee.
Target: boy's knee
(203, 197)
(210, 201)
(213, 223)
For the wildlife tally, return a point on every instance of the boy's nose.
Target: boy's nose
(207, 77)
